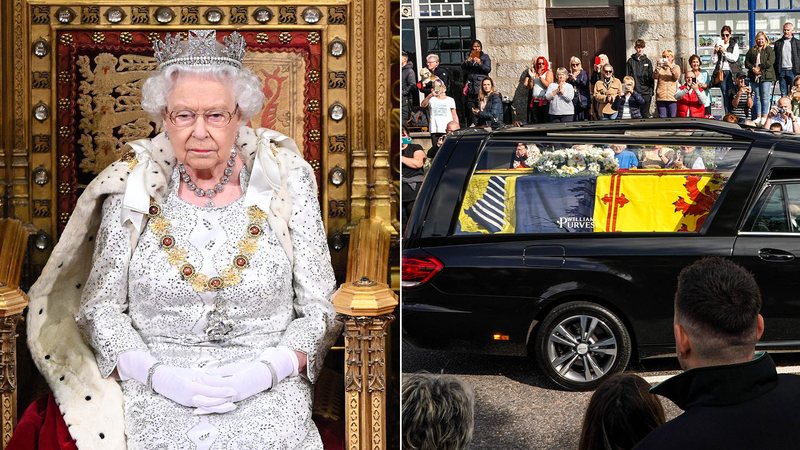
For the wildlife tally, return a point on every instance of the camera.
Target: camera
(779, 110)
(664, 61)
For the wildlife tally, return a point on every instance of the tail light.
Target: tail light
(418, 270)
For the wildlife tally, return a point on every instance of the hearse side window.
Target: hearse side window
(562, 187)
(780, 213)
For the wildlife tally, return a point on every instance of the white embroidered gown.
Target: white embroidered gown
(272, 305)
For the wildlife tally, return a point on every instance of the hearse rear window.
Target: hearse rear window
(560, 187)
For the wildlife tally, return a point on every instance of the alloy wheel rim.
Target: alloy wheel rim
(582, 348)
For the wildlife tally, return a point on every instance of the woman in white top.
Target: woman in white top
(441, 111)
(560, 95)
(538, 80)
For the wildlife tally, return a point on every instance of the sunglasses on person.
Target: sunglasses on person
(608, 71)
(725, 34)
(540, 64)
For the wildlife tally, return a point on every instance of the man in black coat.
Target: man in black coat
(641, 69)
(787, 58)
(432, 62)
(732, 397)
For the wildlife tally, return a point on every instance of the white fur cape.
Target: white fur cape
(92, 405)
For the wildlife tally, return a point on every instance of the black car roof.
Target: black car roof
(671, 128)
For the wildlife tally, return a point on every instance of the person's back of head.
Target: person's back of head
(621, 413)
(717, 305)
(438, 412)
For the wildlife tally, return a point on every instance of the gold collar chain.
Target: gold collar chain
(231, 275)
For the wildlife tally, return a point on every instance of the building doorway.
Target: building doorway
(586, 33)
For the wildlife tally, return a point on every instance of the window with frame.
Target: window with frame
(565, 187)
(779, 212)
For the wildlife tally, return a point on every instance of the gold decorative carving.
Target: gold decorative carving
(337, 15)
(337, 144)
(337, 208)
(313, 105)
(98, 37)
(285, 37)
(382, 97)
(12, 302)
(40, 15)
(102, 112)
(314, 135)
(90, 15)
(337, 80)
(140, 15)
(8, 351)
(8, 407)
(20, 69)
(63, 218)
(41, 208)
(40, 80)
(41, 143)
(190, 15)
(66, 39)
(314, 37)
(238, 15)
(287, 14)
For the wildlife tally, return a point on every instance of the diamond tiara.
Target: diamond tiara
(200, 49)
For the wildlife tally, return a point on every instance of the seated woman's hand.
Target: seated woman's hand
(191, 387)
(248, 378)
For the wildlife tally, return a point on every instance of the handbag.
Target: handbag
(718, 76)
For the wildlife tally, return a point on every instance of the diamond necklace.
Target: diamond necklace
(217, 189)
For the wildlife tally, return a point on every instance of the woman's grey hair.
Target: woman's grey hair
(438, 412)
(562, 71)
(245, 85)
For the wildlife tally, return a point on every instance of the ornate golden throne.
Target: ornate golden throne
(73, 71)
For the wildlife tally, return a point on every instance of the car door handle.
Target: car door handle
(771, 254)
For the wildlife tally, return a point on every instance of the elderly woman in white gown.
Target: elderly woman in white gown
(197, 270)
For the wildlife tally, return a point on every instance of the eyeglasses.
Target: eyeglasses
(609, 71)
(540, 64)
(725, 34)
(575, 64)
(216, 118)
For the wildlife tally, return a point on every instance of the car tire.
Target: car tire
(580, 344)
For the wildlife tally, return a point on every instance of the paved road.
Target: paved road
(517, 408)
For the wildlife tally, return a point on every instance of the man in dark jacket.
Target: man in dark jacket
(408, 84)
(787, 58)
(432, 62)
(641, 69)
(732, 398)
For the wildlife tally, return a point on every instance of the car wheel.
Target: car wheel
(579, 344)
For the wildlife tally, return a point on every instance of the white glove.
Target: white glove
(191, 387)
(188, 387)
(251, 377)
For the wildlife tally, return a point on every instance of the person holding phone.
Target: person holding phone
(691, 98)
(742, 98)
(760, 62)
(726, 54)
(667, 73)
(629, 103)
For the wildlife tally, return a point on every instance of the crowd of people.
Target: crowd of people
(731, 395)
(567, 94)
